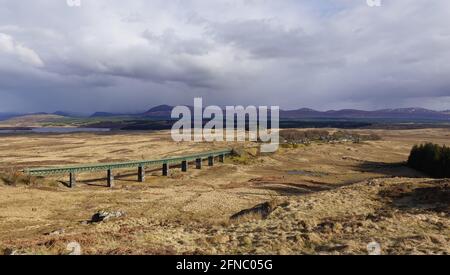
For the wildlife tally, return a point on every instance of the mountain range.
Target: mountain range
(400, 113)
(306, 113)
(164, 112)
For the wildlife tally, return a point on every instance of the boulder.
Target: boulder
(105, 215)
(259, 211)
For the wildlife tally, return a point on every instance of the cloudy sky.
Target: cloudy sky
(126, 56)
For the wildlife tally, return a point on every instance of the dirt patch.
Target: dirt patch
(433, 196)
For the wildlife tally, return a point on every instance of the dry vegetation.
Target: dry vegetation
(321, 198)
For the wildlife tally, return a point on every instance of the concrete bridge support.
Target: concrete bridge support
(222, 158)
(184, 166)
(141, 174)
(110, 178)
(165, 169)
(211, 161)
(73, 180)
(198, 163)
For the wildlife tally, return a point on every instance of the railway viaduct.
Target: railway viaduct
(185, 161)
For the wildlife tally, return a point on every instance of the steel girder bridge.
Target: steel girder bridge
(141, 164)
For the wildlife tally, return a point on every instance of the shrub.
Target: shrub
(12, 176)
(296, 136)
(431, 159)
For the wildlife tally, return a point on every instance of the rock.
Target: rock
(56, 232)
(11, 252)
(105, 215)
(261, 210)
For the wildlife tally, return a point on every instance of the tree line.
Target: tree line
(431, 159)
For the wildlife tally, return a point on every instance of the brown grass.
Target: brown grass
(336, 204)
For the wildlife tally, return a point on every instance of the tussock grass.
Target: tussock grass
(13, 176)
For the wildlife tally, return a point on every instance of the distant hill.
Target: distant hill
(159, 111)
(5, 116)
(164, 111)
(103, 114)
(108, 114)
(67, 114)
(400, 113)
(33, 120)
(304, 112)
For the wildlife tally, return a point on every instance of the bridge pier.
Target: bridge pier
(73, 180)
(222, 158)
(141, 174)
(211, 161)
(165, 169)
(198, 163)
(110, 178)
(184, 166)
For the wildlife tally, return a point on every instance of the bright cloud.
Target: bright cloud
(9, 46)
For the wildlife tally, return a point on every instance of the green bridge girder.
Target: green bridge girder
(121, 165)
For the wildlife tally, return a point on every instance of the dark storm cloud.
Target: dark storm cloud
(173, 44)
(129, 56)
(261, 39)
